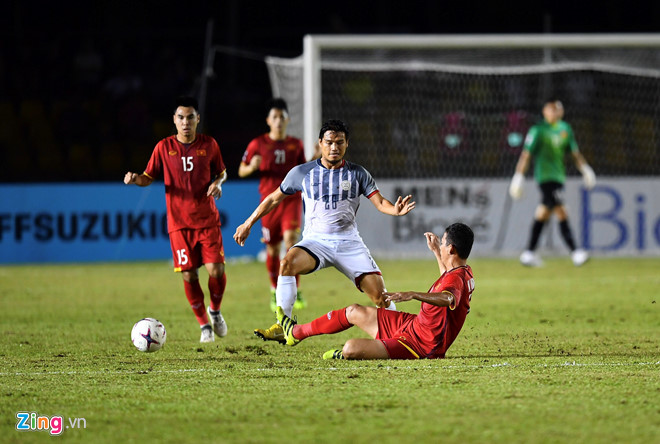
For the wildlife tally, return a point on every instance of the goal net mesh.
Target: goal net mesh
(436, 113)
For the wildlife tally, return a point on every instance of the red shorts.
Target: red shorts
(285, 217)
(191, 248)
(399, 345)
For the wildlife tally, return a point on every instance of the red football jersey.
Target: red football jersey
(187, 171)
(277, 158)
(437, 327)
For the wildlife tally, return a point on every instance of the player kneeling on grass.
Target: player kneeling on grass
(400, 335)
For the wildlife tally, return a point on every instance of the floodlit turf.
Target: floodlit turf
(556, 354)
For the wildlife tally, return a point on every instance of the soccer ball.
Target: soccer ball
(148, 335)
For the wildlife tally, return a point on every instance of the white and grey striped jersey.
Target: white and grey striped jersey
(331, 198)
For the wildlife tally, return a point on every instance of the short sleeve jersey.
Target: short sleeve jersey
(437, 327)
(549, 144)
(277, 159)
(187, 171)
(331, 197)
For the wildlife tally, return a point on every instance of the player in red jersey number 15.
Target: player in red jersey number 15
(191, 166)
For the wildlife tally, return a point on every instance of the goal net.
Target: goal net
(459, 106)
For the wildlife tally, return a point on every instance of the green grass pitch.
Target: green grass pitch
(556, 354)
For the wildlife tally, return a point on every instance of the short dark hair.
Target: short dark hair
(276, 103)
(334, 125)
(186, 101)
(551, 99)
(461, 237)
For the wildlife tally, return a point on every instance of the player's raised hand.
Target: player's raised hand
(241, 234)
(433, 242)
(130, 178)
(404, 205)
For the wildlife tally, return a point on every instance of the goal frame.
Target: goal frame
(314, 44)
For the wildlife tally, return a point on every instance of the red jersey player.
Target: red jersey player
(191, 166)
(400, 335)
(273, 154)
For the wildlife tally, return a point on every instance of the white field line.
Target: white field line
(347, 367)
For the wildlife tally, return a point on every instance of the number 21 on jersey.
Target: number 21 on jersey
(280, 157)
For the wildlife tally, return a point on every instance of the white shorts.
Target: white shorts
(350, 256)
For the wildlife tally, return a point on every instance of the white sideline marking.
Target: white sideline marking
(504, 364)
(388, 367)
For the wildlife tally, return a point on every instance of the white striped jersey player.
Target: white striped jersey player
(331, 197)
(331, 189)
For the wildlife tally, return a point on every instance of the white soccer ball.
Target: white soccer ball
(148, 335)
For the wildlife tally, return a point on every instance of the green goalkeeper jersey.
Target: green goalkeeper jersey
(549, 144)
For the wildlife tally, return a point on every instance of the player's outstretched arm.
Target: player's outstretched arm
(442, 299)
(266, 206)
(402, 206)
(141, 180)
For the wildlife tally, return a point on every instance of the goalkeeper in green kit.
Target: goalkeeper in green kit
(547, 143)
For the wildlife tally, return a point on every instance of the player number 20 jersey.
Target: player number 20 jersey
(331, 197)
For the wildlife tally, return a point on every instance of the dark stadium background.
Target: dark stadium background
(87, 89)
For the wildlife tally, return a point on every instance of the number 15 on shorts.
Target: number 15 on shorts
(182, 256)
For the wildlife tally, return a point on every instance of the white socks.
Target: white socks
(286, 293)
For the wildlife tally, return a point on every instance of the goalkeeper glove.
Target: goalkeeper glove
(516, 187)
(588, 176)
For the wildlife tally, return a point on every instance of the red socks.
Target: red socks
(273, 267)
(195, 297)
(217, 290)
(332, 322)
